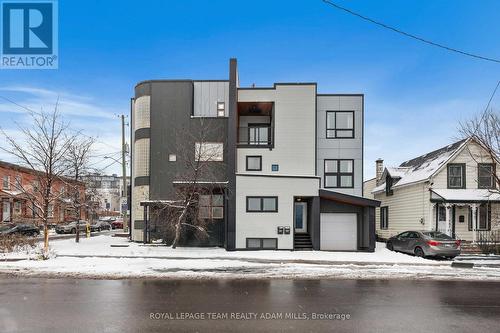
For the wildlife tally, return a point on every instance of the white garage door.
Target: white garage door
(339, 232)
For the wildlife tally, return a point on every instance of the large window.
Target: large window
(262, 243)
(456, 175)
(209, 151)
(339, 124)
(339, 173)
(254, 163)
(262, 204)
(485, 175)
(211, 206)
(384, 218)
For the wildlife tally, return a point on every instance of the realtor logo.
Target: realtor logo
(29, 34)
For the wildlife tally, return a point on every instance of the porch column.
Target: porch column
(432, 219)
(473, 208)
(448, 219)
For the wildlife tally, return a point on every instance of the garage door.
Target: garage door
(339, 232)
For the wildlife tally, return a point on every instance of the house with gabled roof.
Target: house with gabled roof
(453, 189)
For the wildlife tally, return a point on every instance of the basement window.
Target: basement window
(262, 243)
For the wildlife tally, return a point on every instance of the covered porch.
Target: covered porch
(466, 214)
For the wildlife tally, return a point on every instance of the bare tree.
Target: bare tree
(203, 163)
(485, 129)
(42, 147)
(77, 162)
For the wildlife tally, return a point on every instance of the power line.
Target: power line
(383, 25)
(486, 109)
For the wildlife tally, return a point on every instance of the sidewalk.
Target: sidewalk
(95, 258)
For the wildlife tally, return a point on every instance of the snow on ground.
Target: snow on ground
(101, 246)
(95, 258)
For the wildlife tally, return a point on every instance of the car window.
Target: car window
(404, 234)
(437, 235)
(413, 235)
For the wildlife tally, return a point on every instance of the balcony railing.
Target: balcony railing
(261, 135)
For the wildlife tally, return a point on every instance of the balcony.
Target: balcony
(255, 136)
(255, 125)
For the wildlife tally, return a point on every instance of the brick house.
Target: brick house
(15, 205)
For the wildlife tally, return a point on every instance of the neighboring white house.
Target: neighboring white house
(451, 189)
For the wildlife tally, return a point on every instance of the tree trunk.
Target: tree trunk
(45, 238)
(178, 228)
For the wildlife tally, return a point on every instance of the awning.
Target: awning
(464, 195)
(348, 199)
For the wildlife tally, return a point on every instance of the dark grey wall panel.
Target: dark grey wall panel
(174, 131)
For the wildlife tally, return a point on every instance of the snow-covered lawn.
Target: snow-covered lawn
(101, 246)
(95, 258)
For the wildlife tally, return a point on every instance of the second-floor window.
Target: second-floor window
(485, 175)
(6, 183)
(339, 173)
(456, 175)
(209, 151)
(339, 124)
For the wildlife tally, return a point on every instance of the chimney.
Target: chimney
(379, 168)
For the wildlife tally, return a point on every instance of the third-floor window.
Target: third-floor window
(339, 124)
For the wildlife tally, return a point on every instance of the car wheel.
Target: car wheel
(73, 231)
(389, 246)
(419, 252)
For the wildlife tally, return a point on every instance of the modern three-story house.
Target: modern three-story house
(286, 163)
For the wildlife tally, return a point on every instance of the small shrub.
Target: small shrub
(16, 242)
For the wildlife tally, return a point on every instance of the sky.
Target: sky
(415, 94)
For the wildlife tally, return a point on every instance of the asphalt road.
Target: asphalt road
(73, 305)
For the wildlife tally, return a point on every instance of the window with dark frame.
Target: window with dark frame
(262, 243)
(339, 173)
(254, 163)
(485, 175)
(388, 185)
(384, 218)
(483, 217)
(211, 206)
(456, 175)
(339, 124)
(262, 204)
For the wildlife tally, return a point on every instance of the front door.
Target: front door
(301, 217)
(6, 211)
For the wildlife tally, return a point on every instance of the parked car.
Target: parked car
(25, 229)
(100, 225)
(425, 244)
(70, 228)
(117, 224)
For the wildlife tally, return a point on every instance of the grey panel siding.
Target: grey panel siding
(174, 131)
(341, 148)
(206, 96)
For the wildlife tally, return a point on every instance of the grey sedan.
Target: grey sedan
(425, 244)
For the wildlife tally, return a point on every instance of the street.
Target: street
(76, 305)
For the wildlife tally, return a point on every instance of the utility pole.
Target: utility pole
(124, 175)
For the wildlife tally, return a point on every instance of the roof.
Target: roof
(464, 195)
(422, 167)
(24, 169)
(348, 199)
